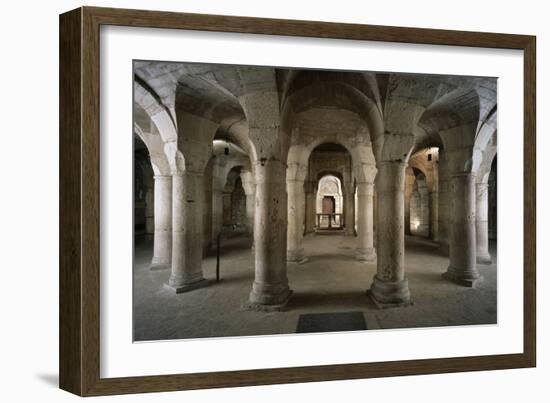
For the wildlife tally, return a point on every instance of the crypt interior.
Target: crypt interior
(321, 200)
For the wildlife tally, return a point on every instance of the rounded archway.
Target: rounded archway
(329, 205)
(143, 190)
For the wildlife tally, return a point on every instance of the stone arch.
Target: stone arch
(329, 184)
(331, 90)
(222, 163)
(487, 131)
(147, 103)
(152, 140)
(455, 117)
(426, 160)
(159, 200)
(486, 185)
(299, 155)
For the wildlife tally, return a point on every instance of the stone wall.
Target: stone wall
(493, 202)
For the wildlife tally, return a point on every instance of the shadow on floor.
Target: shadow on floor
(322, 300)
(231, 246)
(329, 256)
(429, 278)
(227, 278)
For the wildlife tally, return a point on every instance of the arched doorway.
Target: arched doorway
(329, 203)
(234, 203)
(420, 207)
(143, 190)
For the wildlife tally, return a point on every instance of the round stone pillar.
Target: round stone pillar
(270, 290)
(482, 223)
(444, 186)
(365, 236)
(250, 198)
(296, 215)
(162, 238)
(187, 231)
(250, 193)
(462, 232)
(434, 215)
(310, 207)
(424, 224)
(349, 201)
(409, 185)
(390, 286)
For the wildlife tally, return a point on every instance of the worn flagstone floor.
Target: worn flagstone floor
(331, 281)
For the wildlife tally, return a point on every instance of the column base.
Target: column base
(366, 255)
(160, 266)
(390, 294)
(296, 256)
(257, 307)
(268, 297)
(483, 258)
(180, 289)
(466, 278)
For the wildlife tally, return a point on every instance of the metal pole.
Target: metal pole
(218, 258)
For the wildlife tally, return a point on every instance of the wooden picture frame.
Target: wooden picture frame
(79, 201)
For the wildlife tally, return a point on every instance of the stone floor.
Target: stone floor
(331, 281)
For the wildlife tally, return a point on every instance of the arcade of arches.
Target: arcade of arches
(322, 191)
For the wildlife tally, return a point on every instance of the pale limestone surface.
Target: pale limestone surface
(282, 130)
(331, 281)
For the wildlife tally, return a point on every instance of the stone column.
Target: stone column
(444, 216)
(492, 210)
(375, 210)
(310, 207)
(462, 232)
(162, 240)
(434, 215)
(186, 272)
(249, 187)
(365, 237)
(444, 204)
(270, 290)
(409, 184)
(482, 223)
(349, 201)
(424, 225)
(295, 229)
(250, 199)
(390, 286)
